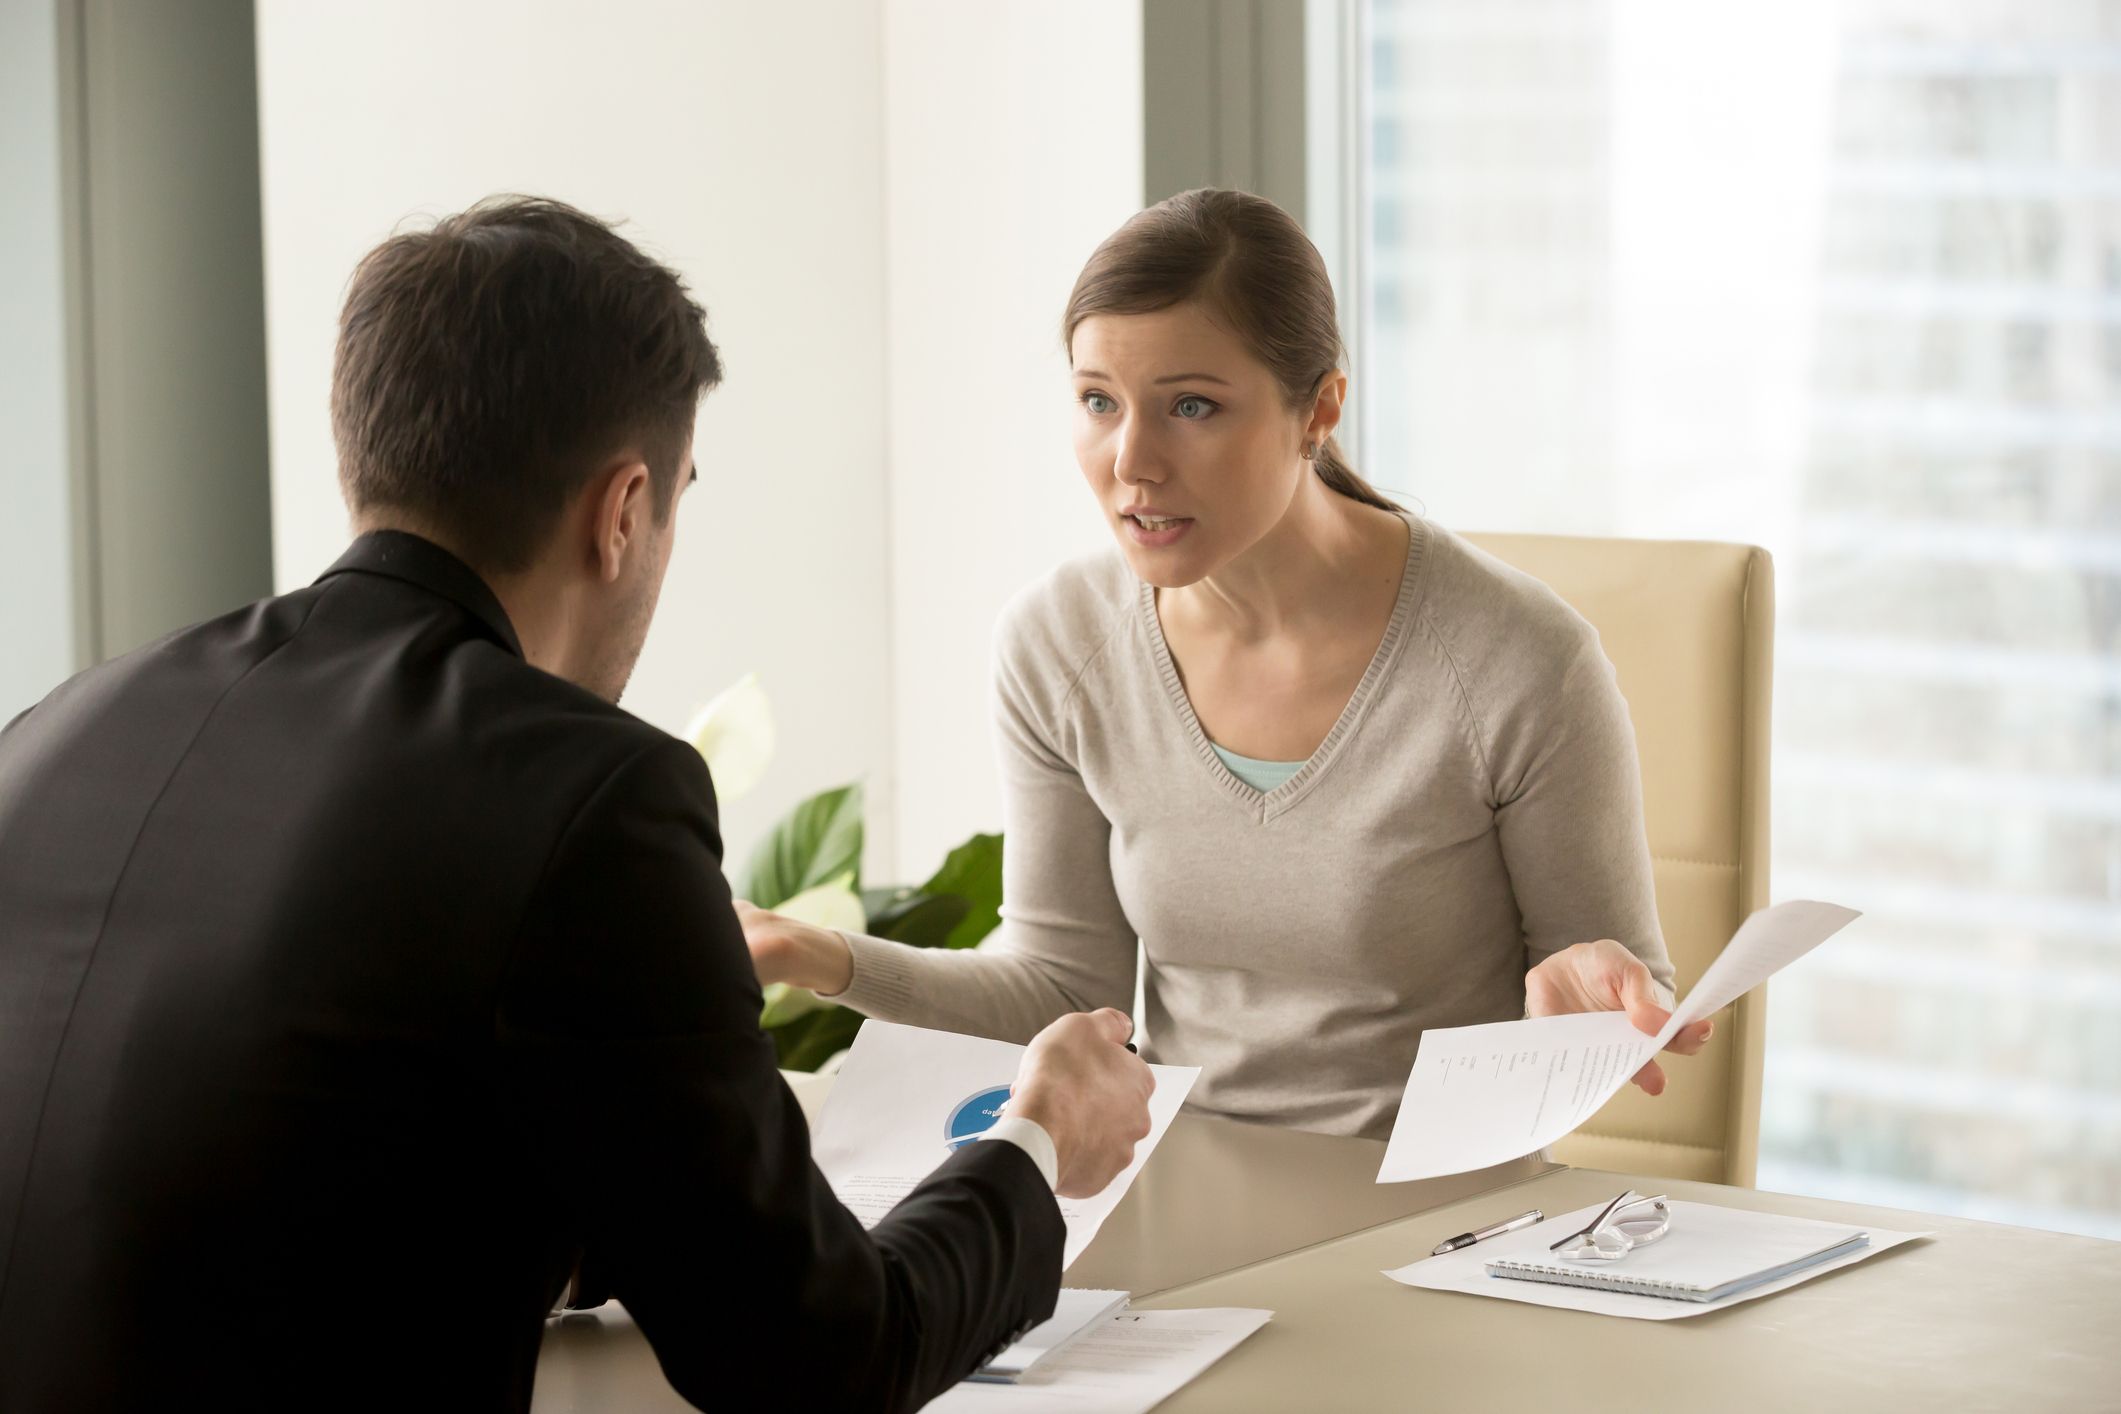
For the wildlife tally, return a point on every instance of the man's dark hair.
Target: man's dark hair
(488, 365)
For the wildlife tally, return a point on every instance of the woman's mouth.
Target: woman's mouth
(1155, 531)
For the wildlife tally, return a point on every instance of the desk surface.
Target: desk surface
(1980, 1316)
(1216, 1195)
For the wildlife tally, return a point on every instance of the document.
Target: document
(1128, 1365)
(1074, 1313)
(1483, 1095)
(1707, 1243)
(906, 1097)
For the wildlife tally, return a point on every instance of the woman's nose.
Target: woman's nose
(1134, 459)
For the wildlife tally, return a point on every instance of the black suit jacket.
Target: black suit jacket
(356, 979)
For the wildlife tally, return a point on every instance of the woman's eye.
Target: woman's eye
(1098, 403)
(1193, 409)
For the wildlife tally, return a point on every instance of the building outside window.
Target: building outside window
(1844, 280)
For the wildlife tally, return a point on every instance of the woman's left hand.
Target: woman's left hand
(1604, 976)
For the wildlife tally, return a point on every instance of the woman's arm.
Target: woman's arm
(1569, 816)
(1064, 943)
(1568, 813)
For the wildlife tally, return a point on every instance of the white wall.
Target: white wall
(742, 142)
(37, 623)
(882, 206)
(1013, 146)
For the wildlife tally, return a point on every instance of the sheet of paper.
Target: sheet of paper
(1466, 1270)
(1129, 1365)
(906, 1097)
(1764, 944)
(1077, 1309)
(1484, 1095)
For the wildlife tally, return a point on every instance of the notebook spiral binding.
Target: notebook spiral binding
(1742, 1271)
(1609, 1281)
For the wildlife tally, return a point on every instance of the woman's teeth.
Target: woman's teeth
(1156, 522)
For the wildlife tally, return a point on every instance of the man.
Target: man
(360, 958)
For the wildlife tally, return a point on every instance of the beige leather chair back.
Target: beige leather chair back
(1689, 627)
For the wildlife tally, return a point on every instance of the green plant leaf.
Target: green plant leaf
(789, 1035)
(879, 905)
(819, 841)
(923, 921)
(973, 872)
(810, 1041)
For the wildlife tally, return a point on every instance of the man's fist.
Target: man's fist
(1081, 1084)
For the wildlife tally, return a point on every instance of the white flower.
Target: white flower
(734, 734)
(834, 904)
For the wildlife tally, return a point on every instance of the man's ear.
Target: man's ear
(621, 506)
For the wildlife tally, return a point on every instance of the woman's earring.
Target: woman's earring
(1310, 451)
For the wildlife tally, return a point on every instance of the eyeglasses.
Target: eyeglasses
(1628, 1222)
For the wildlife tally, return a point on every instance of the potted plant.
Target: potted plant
(809, 867)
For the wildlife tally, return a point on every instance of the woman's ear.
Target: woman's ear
(1325, 409)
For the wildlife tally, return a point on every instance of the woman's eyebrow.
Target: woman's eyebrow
(1168, 378)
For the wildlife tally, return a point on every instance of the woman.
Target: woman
(1344, 776)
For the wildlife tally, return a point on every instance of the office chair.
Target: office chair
(1689, 627)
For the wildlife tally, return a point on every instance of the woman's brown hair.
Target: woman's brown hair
(1250, 262)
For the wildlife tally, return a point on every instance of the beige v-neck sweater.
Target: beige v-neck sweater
(1475, 808)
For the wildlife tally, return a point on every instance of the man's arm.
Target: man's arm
(631, 1012)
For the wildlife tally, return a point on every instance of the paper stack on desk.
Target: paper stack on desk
(1125, 1364)
(1484, 1095)
(1713, 1257)
(906, 1097)
(1077, 1310)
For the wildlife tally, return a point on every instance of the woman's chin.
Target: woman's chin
(1167, 568)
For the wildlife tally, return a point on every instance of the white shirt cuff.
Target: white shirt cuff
(1031, 1137)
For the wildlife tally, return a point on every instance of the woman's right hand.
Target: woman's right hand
(800, 954)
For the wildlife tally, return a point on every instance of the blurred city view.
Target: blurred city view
(1842, 279)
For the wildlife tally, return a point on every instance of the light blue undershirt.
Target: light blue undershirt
(1262, 776)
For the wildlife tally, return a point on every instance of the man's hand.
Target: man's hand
(801, 954)
(1082, 1085)
(1604, 976)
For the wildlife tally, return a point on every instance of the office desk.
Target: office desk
(1980, 1316)
(1217, 1195)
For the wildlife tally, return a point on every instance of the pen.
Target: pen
(1467, 1239)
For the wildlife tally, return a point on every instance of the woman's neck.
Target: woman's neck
(1297, 580)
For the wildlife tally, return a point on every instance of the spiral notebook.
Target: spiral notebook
(1710, 1253)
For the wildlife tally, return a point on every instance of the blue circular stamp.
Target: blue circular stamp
(974, 1116)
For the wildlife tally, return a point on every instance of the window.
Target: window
(1845, 281)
